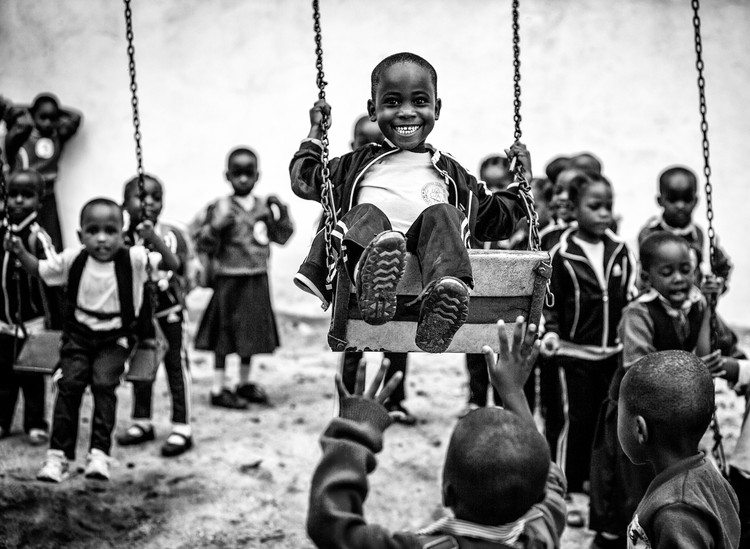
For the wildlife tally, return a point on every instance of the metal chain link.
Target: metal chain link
(718, 448)
(3, 190)
(326, 190)
(516, 73)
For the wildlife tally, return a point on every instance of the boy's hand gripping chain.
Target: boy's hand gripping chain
(516, 168)
(326, 190)
(718, 448)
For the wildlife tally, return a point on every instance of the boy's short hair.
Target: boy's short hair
(242, 150)
(493, 160)
(101, 201)
(44, 97)
(648, 251)
(673, 391)
(578, 184)
(555, 166)
(131, 185)
(667, 174)
(496, 466)
(36, 179)
(396, 58)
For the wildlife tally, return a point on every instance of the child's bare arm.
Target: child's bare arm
(68, 123)
(511, 369)
(146, 232)
(29, 261)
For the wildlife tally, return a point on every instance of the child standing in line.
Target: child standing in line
(497, 478)
(665, 405)
(170, 315)
(593, 278)
(235, 235)
(404, 195)
(36, 139)
(669, 315)
(25, 299)
(104, 291)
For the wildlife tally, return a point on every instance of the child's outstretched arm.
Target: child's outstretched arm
(281, 227)
(29, 261)
(514, 363)
(145, 230)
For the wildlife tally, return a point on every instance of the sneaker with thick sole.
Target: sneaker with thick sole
(444, 310)
(54, 468)
(378, 273)
(228, 399)
(97, 465)
(253, 393)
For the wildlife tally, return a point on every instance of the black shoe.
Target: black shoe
(252, 393)
(227, 399)
(380, 270)
(170, 449)
(399, 414)
(444, 310)
(135, 435)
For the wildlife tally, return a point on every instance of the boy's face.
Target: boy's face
(152, 202)
(46, 117)
(496, 177)
(23, 197)
(367, 131)
(594, 210)
(242, 173)
(405, 106)
(678, 200)
(101, 231)
(671, 273)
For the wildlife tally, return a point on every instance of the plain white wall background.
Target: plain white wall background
(615, 78)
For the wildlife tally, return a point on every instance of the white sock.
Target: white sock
(244, 373)
(182, 429)
(220, 377)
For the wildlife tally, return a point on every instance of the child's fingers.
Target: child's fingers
(340, 387)
(529, 340)
(502, 338)
(390, 387)
(359, 383)
(518, 331)
(375, 385)
(489, 356)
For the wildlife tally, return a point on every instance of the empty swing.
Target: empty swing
(507, 283)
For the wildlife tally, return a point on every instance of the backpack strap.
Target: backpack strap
(74, 281)
(438, 542)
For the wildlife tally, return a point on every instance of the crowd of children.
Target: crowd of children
(622, 357)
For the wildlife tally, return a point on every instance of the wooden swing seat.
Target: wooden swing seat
(507, 284)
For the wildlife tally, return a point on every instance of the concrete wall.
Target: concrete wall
(616, 78)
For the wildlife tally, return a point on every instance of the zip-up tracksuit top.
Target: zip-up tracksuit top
(585, 314)
(490, 216)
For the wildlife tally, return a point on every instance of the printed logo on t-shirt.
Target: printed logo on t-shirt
(44, 148)
(260, 233)
(637, 538)
(434, 193)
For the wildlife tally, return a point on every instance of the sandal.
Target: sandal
(136, 434)
(575, 518)
(176, 444)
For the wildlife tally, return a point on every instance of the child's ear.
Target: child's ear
(645, 278)
(642, 430)
(660, 201)
(438, 106)
(371, 110)
(449, 498)
(80, 235)
(226, 175)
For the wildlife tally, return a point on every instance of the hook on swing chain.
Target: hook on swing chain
(326, 191)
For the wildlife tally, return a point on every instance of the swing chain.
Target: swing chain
(326, 190)
(516, 73)
(718, 448)
(134, 96)
(3, 190)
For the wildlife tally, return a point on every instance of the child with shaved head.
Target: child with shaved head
(665, 406)
(497, 479)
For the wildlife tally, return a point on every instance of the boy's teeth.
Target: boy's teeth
(405, 130)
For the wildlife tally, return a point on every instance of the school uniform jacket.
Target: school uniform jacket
(489, 216)
(586, 314)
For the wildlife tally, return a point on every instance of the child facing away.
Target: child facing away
(497, 478)
(669, 315)
(170, 316)
(104, 283)
(25, 299)
(403, 195)
(235, 234)
(665, 405)
(36, 139)
(593, 278)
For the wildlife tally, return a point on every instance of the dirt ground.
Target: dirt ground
(245, 483)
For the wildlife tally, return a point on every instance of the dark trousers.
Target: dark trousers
(177, 370)
(11, 382)
(436, 239)
(350, 363)
(617, 484)
(98, 364)
(479, 380)
(741, 487)
(584, 386)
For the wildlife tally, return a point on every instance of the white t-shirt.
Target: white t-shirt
(402, 185)
(595, 255)
(97, 290)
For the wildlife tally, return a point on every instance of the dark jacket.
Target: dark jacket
(585, 314)
(490, 216)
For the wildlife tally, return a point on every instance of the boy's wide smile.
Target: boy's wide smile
(407, 130)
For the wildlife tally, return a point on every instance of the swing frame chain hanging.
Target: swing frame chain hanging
(326, 190)
(718, 448)
(3, 191)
